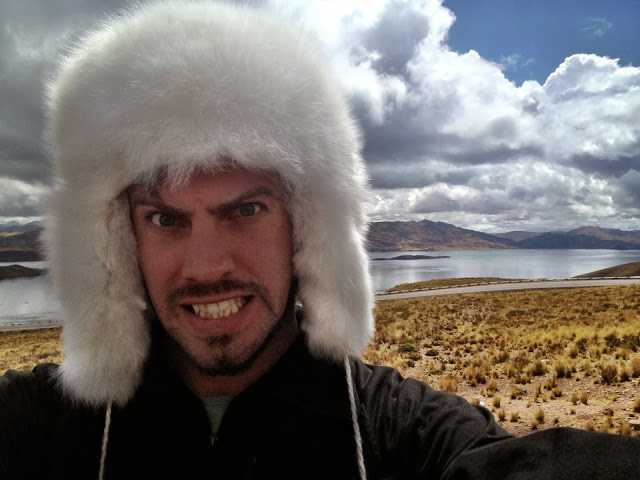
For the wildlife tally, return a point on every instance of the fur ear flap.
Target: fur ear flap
(105, 335)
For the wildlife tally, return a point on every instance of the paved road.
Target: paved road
(501, 287)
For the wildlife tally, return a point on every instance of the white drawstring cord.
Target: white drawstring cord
(105, 440)
(354, 420)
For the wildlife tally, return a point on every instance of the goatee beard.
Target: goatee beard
(225, 365)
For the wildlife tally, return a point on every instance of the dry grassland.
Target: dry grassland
(536, 359)
(23, 350)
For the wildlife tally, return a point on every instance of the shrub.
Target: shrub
(492, 386)
(562, 370)
(624, 428)
(515, 392)
(496, 401)
(584, 398)
(537, 390)
(574, 398)
(590, 425)
(607, 422)
(587, 368)
(539, 415)
(635, 366)
(477, 373)
(550, 383)
(449, 384)
(537, 368)
(502, 415)
(625, 373)
(636, 405)
(407, 347)
(609, 372)
(622, 353)
(515, 416)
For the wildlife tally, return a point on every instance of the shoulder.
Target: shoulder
(24, 396)
(384, 387)
(408, 421)
(15, 385)
(29, 394)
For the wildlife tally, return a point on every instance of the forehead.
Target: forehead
(223, 184)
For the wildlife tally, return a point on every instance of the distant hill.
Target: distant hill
(19, 227)
(427, 235)
(18, 271)
(624, 270)
(21, 246)
(629, 237)
(517, 235)
(565, 240)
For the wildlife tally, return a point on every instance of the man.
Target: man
(209, 178)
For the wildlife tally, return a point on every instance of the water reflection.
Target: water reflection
(28, 299)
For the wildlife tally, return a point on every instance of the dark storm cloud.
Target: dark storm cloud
(394, 175)
(18, 209)
(615, 167)
(395, 35)
(32, 34)
(22, 159)
(629, 193)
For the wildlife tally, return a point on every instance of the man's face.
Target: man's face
(216, 257)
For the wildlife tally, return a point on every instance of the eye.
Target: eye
(163, 219)
(249, 209)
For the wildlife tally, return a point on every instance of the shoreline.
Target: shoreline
(30, 325)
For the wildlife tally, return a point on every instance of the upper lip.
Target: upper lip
(209, 300)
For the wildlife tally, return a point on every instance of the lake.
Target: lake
(33, 299)
(28, 299)
(507, 263)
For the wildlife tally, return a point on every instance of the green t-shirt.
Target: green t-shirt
(215, 407)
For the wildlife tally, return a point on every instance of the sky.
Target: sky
(493, 115)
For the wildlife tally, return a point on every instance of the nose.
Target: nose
(208, 255)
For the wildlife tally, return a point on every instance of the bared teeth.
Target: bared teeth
(220, 309)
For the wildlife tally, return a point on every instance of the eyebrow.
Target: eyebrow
(152, 198)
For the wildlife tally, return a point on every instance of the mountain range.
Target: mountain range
(18, 245)
(427, 235)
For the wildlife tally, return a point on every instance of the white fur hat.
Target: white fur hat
(179, 85)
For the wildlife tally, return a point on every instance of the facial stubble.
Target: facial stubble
(223, 361)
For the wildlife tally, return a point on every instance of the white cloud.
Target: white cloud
(515, 62)
(451, 139)
(598, 27)
(20, 199)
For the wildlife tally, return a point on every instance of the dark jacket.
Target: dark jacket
(295, 422)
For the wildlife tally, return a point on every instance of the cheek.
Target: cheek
(155, 267)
